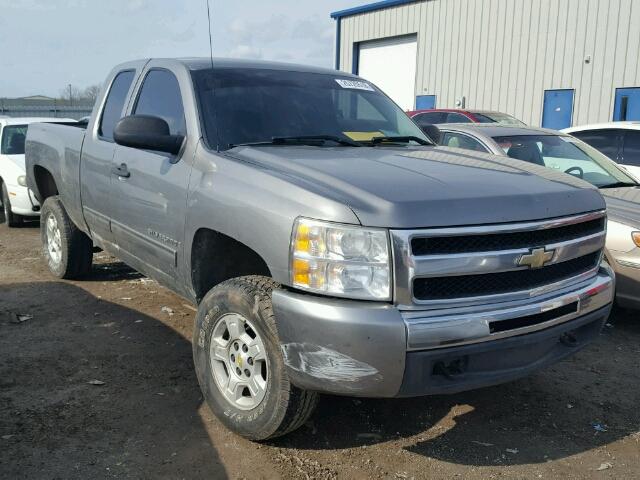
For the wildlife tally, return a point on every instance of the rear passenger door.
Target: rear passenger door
(97, 153)
(150, 203)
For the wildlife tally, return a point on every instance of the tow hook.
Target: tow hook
(452, 369)
(568, 340)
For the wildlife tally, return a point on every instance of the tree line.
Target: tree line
(72, 95)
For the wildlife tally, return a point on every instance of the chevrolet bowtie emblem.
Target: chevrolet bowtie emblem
(536, 258)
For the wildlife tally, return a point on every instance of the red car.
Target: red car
(450, 115)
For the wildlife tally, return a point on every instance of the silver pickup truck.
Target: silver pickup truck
(329, 245)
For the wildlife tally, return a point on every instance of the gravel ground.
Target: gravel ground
(96, 381)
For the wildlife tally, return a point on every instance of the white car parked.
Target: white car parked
(17, 200)
(620, 141)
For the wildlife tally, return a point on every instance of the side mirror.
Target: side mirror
(432, 132)
(147, 133)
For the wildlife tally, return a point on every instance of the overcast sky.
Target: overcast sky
(47, 44)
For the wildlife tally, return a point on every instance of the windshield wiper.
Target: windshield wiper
(400, 139)
(301, 140)
(316, 138)
(619, 184)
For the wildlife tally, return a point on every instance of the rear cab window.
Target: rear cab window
(114, 105)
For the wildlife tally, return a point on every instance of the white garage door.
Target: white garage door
(391, 65)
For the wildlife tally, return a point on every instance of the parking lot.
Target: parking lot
(96, 381)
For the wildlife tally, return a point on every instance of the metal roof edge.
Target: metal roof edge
(369, 7)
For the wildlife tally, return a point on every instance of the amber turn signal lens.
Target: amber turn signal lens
(301, 271)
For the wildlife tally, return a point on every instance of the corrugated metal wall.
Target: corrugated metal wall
(503, 54)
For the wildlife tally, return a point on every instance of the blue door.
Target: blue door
(557, 109)
(424, 102)
(627, 105)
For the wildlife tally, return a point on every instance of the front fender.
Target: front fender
(253, 205)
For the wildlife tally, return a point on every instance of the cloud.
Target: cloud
(308, 39)
(245, 51)
(312, 27)
(270, 30)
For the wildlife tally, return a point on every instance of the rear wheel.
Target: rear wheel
(11, 219)
(68, 251)
(239, 363)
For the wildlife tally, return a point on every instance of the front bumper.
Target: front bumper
(370, 349)
(23, 202)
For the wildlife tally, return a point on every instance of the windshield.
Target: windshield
(241, 106)
(497, 117)
(566, 154)
(13, 137)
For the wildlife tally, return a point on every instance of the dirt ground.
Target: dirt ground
(578, 419)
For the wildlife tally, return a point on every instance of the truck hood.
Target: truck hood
(623, 205)
(413, 187)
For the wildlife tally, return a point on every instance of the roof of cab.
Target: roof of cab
(204, 63)
(499, 130)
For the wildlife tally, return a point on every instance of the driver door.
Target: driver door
(150, 188)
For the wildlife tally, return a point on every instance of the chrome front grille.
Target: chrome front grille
(449, 267)
(504, 241)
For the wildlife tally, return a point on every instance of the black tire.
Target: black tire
(76, 248)
(11, 219)
(284, 407)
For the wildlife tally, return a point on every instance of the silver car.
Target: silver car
(567, 154)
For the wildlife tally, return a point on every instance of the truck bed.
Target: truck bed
(56, 148)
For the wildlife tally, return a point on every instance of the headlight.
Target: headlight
(22, 180)
(340, 260)
(635, 236)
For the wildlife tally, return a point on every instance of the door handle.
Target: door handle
(121, 171)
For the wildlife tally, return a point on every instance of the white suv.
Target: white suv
(17, 200)
(620, 141)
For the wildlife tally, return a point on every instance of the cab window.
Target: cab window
(160, 97)
(631, 152)
(114, 105)
(458, 140)
(606, 141)
(430, 118)
(13, 137)
(457, 118)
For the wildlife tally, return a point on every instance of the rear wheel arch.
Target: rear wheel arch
(216, 257)
(45, 183)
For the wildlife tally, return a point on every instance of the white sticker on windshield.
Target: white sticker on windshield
(357, 84)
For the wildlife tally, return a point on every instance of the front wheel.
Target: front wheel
(67, 250)
(239, 363)
(12, 219)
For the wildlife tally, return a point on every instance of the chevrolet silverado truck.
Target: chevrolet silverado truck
(330, 246)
